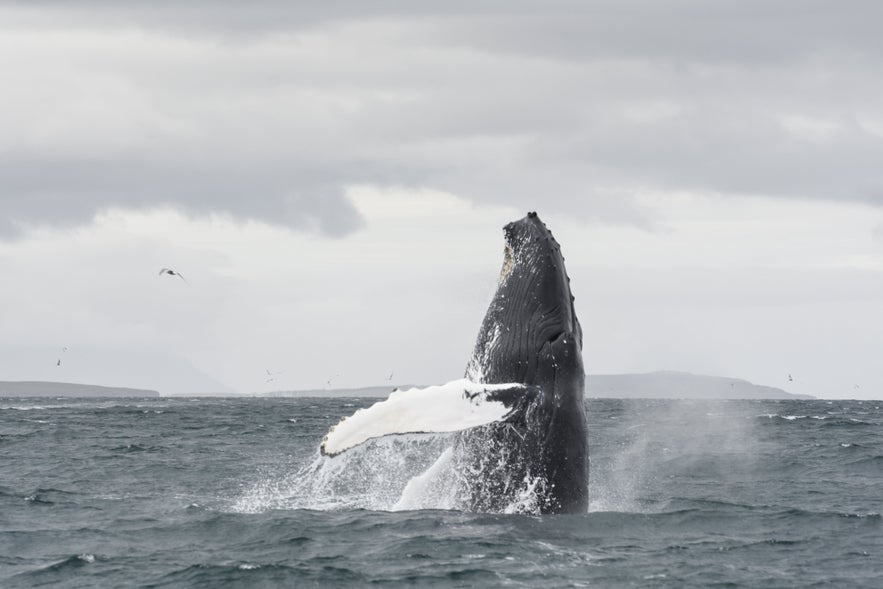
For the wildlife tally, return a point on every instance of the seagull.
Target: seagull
(271, 376)
(171, 272)
(789, 378)
(390, 376)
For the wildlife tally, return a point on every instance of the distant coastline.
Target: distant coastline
(651, 385)
(67, 389)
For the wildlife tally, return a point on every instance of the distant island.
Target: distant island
(679, 385)
(651, 385)
(67, 389)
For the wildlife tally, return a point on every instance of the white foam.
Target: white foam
(455, 406)
(370, 476)
(423, 489)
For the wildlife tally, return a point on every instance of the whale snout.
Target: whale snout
(531, 233)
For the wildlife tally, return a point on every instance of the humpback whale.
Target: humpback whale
(519, 414)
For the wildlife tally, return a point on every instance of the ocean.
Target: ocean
(212, 492)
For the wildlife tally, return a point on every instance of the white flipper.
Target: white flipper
(455, 406)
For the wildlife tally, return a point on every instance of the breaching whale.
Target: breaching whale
(520, 412)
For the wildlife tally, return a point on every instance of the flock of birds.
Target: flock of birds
(168, 271)
(271, 376)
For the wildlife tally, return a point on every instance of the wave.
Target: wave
(827, 420)
(137, 448)
(58, 572)
(49, 496)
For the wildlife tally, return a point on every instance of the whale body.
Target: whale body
(531, 335)
(520, 412)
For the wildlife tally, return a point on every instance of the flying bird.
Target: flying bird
(171, 272)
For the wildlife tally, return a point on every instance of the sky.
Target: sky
(332, 178)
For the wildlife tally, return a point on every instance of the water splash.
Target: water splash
(371, 476)
(405, 472)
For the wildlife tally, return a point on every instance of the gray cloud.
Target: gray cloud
(269, 111)
(71, 192)
(685, 30)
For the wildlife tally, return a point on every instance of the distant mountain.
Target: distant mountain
(679, 385)
(652, 385)
(150, 368)
(67, 389)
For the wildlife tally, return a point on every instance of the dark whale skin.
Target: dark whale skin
(531, 335)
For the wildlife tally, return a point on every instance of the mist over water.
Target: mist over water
(209, 492)
(709, 442)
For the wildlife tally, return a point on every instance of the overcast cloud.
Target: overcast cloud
(268, 111)
(639, 125)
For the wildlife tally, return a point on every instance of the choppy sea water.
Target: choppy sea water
(232, 493)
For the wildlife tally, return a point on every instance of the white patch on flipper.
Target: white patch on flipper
(455, 406)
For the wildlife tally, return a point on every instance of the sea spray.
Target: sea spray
(652, 438)
(405, 472)
(473, 471)
(370, 476)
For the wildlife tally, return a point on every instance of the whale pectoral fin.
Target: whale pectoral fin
(452, 407)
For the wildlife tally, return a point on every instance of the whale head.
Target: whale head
(532, 310)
